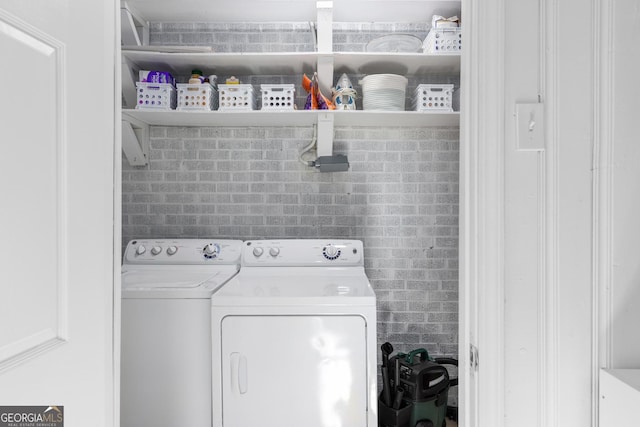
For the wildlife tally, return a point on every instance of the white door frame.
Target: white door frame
(117, 213)
(484, 211)
(482, 204)
(481, 214)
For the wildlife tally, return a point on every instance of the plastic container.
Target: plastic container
(196, 77)
(236, 97)
(443, 40)
(433, 97)
(278, 97)
(146, 76)
(155, 96)
(196, 97)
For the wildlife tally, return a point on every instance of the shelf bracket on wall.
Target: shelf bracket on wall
(134, 32)
(129, 92)
(325, 45)
(135, 142)
(135, 134)
(325, 134)
(135, 29)
(326, 160)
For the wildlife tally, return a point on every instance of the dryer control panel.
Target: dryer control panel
(302, 253)
(183, 251)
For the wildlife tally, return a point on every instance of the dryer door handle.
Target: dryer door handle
(239, 377)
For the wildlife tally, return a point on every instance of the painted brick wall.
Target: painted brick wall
(400, 197)
(275, 37)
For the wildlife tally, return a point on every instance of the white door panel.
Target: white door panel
(57, 186)
(294, 370)
(34, 184)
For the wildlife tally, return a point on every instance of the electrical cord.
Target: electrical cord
(309, 148)
(312, 26)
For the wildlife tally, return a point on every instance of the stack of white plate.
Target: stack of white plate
(383, 92)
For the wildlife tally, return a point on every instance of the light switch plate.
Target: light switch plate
(530, 127)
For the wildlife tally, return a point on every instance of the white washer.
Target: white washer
(294, 338)
(166, 329)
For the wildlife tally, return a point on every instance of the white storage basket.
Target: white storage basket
(443, 40)
(278, 97)
(236, 97)
(197, 97)
(155, 96)
(384, 92)
(433, 97)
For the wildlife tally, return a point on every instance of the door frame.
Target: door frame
(117, 212)
(481, 285)
(481, 260)
(482, 209)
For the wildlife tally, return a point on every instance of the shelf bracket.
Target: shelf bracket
(326, 160)
(325, 45)
(129, 92)
(134, 32)
(135, 142)
(135, 29)
(325, 134)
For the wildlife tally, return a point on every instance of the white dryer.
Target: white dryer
(294, 338)
(166, 329)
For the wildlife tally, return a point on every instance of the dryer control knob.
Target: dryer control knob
(141, 249)
(171, 250)
(156, 250)
(331, 252)
(257, 252)
(274, 252)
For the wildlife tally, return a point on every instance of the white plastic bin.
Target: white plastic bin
(433, 97)
(443, 40)
(278, 97)
(155, 96)
(236, 97)
(197, 97)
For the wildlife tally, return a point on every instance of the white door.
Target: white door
(294, 371)
(57, 209)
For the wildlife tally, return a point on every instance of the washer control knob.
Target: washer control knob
(257, 252)
(211, 250)
(171, 250)
(156, 250)
(141, 249)
(274, 252)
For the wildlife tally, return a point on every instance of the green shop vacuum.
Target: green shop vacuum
(415, 389)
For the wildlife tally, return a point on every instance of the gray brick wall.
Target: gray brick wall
(275, 37)
(400, 197)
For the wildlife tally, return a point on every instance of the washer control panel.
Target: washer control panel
(302, 252)
(183, 251)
